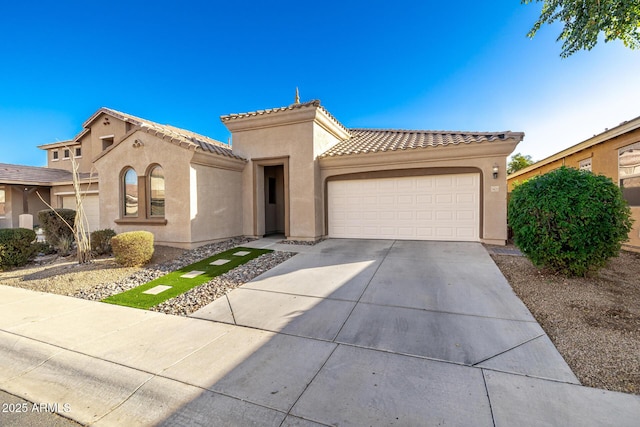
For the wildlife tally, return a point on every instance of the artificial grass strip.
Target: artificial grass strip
(179, 285)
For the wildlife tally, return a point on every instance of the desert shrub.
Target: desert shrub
(101, 241)
(133, 248)
(569, 221)
(16, 247)
(57, 233)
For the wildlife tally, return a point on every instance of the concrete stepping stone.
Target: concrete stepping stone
(157, 290)
(192, 274)
(220, 261)
(242, 253)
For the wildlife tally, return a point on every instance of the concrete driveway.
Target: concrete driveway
(347, 332)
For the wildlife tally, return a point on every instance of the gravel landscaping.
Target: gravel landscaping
(593, 321)
(103, 277)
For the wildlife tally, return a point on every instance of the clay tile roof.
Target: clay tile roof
(296, 106)
(381, 140)
(178, 136)
(18, 174)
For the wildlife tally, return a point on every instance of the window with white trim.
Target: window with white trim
(629, 173)
(67, 153)
(585, 165)
(54, 155)
(78, 152)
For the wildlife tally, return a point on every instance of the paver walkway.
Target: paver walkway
(347, 332)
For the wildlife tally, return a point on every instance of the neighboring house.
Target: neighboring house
(23, 189)
(614, 153)
(295, 171)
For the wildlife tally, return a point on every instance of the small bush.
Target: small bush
(569, 221)
(16, 247)
(133, 248)
(56, 231)
(101, 241)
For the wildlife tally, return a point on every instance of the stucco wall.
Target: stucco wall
(202, 200)
(215, 205)
(294, 141)
(175, 163)
(14, 205)
(478, 158)
(604, 162)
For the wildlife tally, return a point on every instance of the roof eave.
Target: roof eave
(625, 127)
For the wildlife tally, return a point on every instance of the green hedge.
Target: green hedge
(569, 221)
(16, 247)
(133, 248)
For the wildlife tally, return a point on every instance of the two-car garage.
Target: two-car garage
(427, 207)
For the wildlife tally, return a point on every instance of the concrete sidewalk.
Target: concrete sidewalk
(349, 332)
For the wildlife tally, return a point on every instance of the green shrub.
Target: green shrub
(569, 221)
(57, 233)
(101, 241)
(16, 247)
(133, 248)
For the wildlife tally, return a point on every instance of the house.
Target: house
(294, 170)
(614, 153)
(28, 190)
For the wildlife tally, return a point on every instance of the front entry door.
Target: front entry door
(274, 199)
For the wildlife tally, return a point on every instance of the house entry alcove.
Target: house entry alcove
(274, 212)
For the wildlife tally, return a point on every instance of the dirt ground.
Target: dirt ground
(594, 322)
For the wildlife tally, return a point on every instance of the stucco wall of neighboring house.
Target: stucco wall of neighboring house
(604, 161)
(438, 160)
(14, 204)
(293, 137)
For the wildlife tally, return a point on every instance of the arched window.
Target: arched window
(130, 192)
(156, 192)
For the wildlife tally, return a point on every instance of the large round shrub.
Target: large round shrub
(16, 247)
(569, 221)
(133, 248)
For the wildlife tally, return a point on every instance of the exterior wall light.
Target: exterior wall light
(495, 171)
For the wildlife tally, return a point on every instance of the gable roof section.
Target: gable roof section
(364, 141)
(621, 129)
(32, 175)
(181, 137)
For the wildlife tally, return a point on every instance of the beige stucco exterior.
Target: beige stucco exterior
(201, 191)
(273, 180)
(292, 138)
(296, 137)
(442, 160)
(602, 150)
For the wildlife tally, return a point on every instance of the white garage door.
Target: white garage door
(434, 207)
(91, 204)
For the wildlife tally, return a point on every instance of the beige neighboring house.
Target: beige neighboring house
(614, 153)
(295, 171)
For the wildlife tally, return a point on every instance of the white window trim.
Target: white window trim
(53, 158)
(586, 164)
(636, 146)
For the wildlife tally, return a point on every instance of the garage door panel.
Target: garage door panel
(440, 207)
(91, 205)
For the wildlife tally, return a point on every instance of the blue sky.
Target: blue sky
(463, 65)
